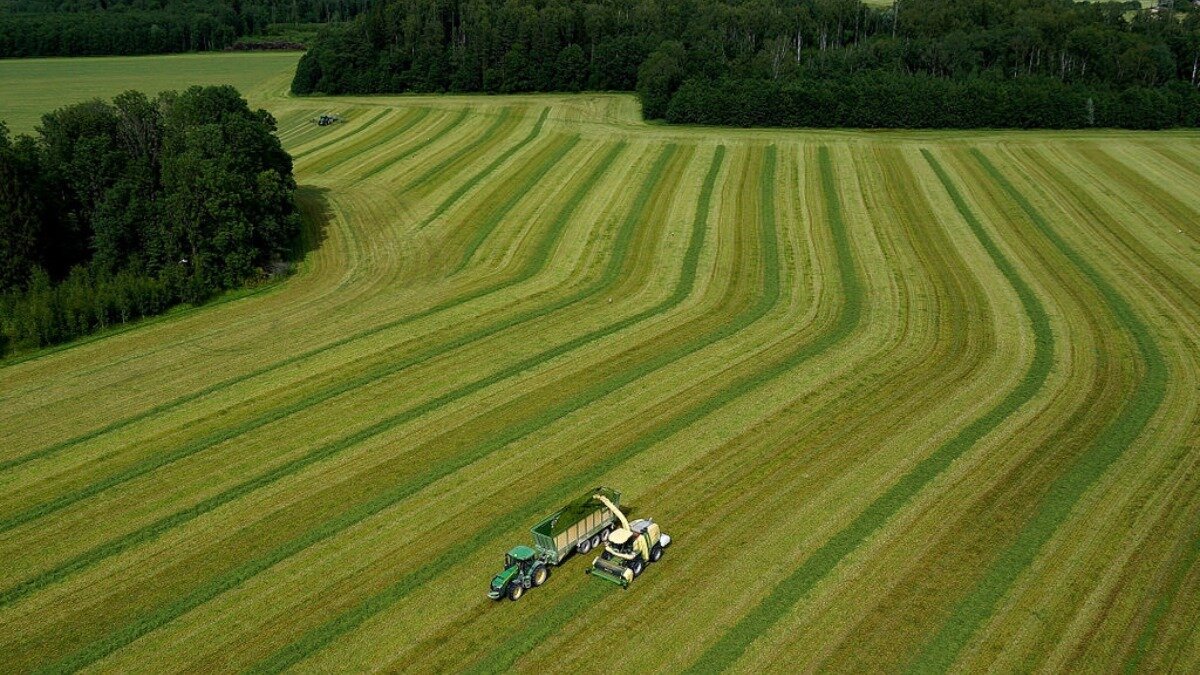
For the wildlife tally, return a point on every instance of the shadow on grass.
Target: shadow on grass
(315, 215)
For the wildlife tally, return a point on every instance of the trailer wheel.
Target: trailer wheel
(656, 553)
(604, 533)
(584, 546)
(637, 566)
(515, 591)
(540, 575)
(595, 540)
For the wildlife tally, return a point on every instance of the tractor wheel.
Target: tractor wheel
(515, 591)
(656, 553)
(595, 540)
(540, 575)
(637, 566)
(584, 546)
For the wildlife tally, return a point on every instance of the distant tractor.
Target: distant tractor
(326, 120)
(629, 549)
(578, 527)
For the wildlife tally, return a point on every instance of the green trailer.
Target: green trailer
(578, 527)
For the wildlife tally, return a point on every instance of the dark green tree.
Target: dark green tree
(658, 78)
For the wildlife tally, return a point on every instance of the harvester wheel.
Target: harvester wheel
(584, 546)
(595, 540)
(540, 575)
(655, 553)
(637, 566)
(515, 591)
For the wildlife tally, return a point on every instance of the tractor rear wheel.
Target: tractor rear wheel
(515, 591)
(636, 567)
(540, 575)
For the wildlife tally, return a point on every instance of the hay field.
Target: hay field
(916, 401)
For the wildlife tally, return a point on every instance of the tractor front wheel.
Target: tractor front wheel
(515, 591)
(636, 567)
(656, 553)
(540, 575)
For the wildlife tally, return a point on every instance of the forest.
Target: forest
(126, 27)
(117, 211)
(915, 63)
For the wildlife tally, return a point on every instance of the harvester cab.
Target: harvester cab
(629, 549)
(523, 569)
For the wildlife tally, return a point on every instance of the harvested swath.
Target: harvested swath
(877, 386)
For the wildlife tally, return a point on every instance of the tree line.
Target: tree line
(117, 211)
(126, 27)
(932, 63)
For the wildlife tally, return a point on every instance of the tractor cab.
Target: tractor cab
(521, 556)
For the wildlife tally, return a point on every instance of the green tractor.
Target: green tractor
(523, 569)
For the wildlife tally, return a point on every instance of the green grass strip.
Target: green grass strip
(152, 531)
(401, 156)
(438, 170)
(483, 230)
(342, 137)
(235, 577)
(321, 636)
(1165, 600)
(1065, 492)
(786, 594)
(495, 164)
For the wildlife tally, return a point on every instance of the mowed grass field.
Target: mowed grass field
(916, 401)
